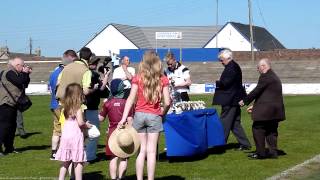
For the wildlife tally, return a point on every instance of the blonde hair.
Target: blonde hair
(73, 99)
(150, 71)
(170, 56)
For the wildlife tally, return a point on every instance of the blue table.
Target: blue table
(192, 132)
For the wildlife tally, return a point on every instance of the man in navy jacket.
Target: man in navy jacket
(229, 91)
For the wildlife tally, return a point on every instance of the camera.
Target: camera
(104, 67)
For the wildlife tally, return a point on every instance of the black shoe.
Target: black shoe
(243, 148)
(256, 156)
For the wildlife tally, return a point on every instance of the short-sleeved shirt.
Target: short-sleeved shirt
(52, 85)
(179, 75)
(115, 61)
(142, 104)
(113, 108)
(119, 73)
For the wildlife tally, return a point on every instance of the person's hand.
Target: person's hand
(96, 86)
(249, 109)
(125, 67)
(241, 103)
(121, 124)
(88, 124)
(26, 69)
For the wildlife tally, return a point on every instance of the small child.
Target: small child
(113, 108)
(71, 148)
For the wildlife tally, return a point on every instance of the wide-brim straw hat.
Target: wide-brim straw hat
(124, 142)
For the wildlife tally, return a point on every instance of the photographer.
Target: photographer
(99, 90)
(126, 74)
(20, 126)
(14, 81)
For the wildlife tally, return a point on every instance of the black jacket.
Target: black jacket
(93, 99)
(229, 89)
(268, 99)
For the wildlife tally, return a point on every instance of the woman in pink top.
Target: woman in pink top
(149, 88)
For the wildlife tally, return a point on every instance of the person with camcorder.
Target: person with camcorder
(98, 86)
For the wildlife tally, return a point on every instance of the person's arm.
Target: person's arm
(105, 81)
(18, 80)
(128, 74)
(166, 100)
(86, 82)
(101, 118)
(80, 119)
(103, 113)
(226, 80)
(262, 84)
(129, 103)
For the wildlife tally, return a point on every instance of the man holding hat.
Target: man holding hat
(120, 143)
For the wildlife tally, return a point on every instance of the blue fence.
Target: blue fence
(188, 54)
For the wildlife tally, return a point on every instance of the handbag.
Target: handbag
(23, 103)
(93, 132)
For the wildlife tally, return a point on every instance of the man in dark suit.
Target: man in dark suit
(267, 110)
(229, 91)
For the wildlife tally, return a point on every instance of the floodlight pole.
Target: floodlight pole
(217, 21)
(251, 31)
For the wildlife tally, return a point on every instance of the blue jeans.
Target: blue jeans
(91, 147)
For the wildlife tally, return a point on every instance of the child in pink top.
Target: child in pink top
(71, 149)
(149, 88)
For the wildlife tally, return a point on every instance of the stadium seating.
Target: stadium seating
(290, 71)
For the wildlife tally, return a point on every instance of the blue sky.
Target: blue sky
(68, 24)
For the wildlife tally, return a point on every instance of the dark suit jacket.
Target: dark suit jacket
(268, 99)
(229, 90)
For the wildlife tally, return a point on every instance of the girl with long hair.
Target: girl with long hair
(149, 88)
(71, 148)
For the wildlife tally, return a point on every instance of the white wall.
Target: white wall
(229, 37)
(109, 39)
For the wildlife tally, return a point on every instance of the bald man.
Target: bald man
(267, 110)
(14, 80)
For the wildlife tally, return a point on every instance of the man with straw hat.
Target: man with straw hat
(123, 142)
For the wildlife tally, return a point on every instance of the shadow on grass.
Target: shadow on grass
(96, 175)
(30, 148)
(162, 157)
(29, 135)
(218, 150)
(100, 157)
(172, 177)
(279, 152)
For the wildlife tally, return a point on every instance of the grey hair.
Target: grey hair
(225, 54)
(267, 61)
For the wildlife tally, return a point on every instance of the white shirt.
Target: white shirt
(115, 60)
(119, 73)
(179, 75)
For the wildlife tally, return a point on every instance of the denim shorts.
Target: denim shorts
(147, 123)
